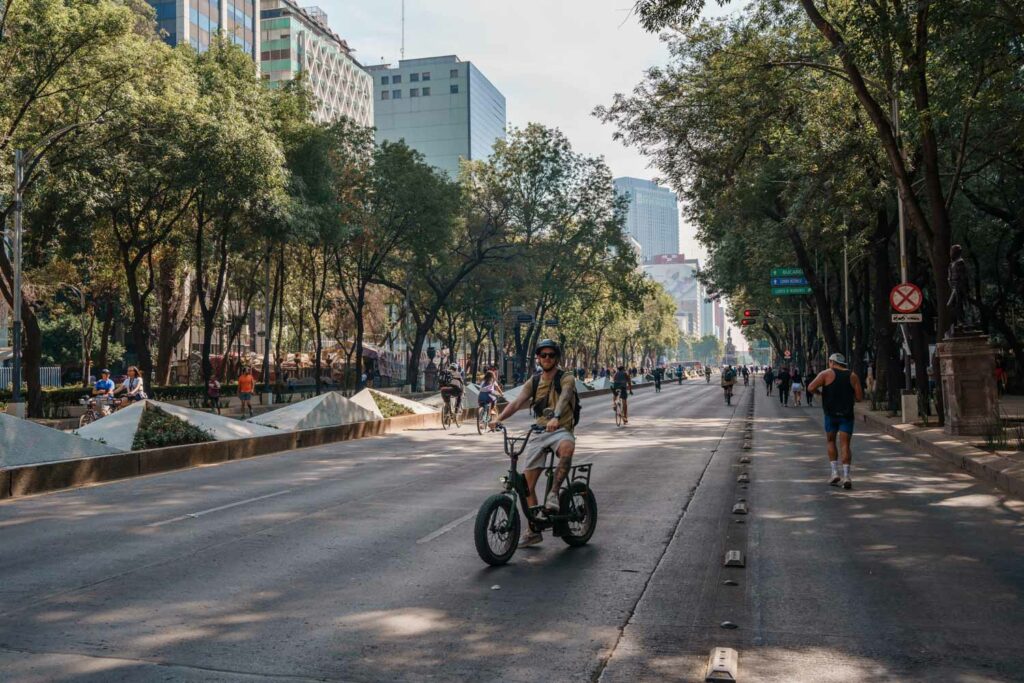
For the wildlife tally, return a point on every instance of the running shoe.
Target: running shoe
(847, 484)
(551, 503)
(834, 481)
(530, 538)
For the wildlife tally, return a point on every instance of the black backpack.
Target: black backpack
(538, 406)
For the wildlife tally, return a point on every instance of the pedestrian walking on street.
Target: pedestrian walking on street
(783, 380)
(840, 390)
(808, 378)
(246, 388)
(213, 393)
(796, 388)
(769, 379)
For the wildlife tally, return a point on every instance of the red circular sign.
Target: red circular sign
(906, 298)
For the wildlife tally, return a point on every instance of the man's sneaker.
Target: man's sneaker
(530, 538)
(834, 481)
(847, 484)
(551, 503)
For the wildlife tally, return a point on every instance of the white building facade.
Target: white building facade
(296, 40)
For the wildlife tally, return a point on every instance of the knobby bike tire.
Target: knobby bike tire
(498, 501)
(590, 506)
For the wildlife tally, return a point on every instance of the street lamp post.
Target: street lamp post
(22, 160)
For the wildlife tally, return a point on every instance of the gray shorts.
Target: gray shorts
(535, 456)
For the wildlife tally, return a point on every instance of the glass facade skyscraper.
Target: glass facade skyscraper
(195, 22)
(443, 107)
(653, 218)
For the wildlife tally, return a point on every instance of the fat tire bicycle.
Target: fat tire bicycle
(496, 531)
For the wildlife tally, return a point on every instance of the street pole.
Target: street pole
(16, 398)
(899, 194)
(267, 313)
(846, 300)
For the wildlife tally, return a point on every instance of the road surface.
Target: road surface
(355, 562)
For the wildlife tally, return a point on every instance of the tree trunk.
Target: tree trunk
(885, 348)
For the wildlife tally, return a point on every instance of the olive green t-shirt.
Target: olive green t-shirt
(545, 389)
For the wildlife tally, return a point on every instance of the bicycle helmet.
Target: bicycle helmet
(547, 344)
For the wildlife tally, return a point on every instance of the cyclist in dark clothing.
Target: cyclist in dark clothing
(808, 378)
(658, 372)
(840, 390)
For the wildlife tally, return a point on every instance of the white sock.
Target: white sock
(835, 468)
(846, 471)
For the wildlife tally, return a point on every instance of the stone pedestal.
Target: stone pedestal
(967, 364)
(430, 376)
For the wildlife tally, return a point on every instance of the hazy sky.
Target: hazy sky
(554, 60)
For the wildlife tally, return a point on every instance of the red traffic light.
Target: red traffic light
(747, 322)
(751, 313)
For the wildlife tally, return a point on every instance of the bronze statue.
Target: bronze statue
(959, 285)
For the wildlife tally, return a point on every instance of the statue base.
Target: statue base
(967, 363)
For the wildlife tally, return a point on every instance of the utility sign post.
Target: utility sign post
(906, 298)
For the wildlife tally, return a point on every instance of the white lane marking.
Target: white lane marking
(446, 528)
(194, 515)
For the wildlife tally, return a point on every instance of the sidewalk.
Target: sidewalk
(1004, 469)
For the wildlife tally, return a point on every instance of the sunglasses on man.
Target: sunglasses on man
(547, 354)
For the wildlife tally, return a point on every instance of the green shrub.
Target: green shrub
(158, 428)
(388, 407)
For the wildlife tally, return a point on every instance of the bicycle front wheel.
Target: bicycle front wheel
(496, 532)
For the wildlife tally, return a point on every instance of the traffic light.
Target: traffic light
(751, 313)
(746, 322)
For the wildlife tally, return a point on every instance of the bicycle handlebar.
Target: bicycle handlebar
(515, 445)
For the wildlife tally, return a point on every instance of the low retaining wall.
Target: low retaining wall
(54, 476)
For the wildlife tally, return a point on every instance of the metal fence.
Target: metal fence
(48, 377)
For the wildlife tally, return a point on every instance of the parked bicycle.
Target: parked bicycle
(496, 532)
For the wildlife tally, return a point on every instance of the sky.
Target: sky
(554, 60)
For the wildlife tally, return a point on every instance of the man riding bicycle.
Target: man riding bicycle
(621, 384)
(103, 390)
(452, 386)
(554, 405)
(728, 379)
(707, 374)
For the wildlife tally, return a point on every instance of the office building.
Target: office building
(653, 217)
(195, 22)
(678, 275)
(296, 40)
(443, 107)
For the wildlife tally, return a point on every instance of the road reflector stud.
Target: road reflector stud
(740, 521)
(723, 664)
(739, 509)
(745, 459)
(730, 582)
(729, 625)
(734, 558)
(743, 478)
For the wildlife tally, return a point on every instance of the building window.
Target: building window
(426, 75)
(414, 78)
(383, 80)
(454, 73)
(426, 92)
(414, 92)
(396, 94)
(455, 89)
(396, 79)
(384, 95)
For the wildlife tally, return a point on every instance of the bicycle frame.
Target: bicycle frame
(515, 482)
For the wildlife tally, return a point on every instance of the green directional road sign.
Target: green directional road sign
(790, 291)
(787, 272)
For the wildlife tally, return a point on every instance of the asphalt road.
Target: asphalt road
(355, 562)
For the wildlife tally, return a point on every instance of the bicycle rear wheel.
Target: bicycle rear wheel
(446, 417)
(579, 498)
(481, 419)
(618, 414)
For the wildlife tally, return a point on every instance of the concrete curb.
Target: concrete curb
(1004, 472)
(55, 476)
